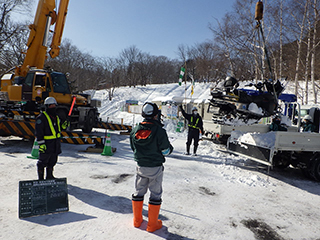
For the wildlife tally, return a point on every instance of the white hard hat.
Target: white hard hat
(149, 110)
(307, 117)
(50, 100)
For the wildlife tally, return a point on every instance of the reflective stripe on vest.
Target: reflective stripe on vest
(195, 125)
(53, 131)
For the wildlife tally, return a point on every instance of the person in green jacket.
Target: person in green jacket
(150, 144)
(276, 124)
(307, 124)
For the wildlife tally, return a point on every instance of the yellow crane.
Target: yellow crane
(26, 88)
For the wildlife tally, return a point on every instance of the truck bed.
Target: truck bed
(261, 147)
(220, 133)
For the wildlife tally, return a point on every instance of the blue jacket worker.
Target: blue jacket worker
(47, 132)
(195, 126)
(150, 144)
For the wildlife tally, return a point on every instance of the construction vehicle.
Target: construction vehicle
(244, 104)
(281, 149)
(246, 108)
(219, 131)
(271, 148)
(24, 90)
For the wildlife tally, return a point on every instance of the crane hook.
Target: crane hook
(259, 11)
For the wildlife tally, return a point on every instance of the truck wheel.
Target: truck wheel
(281, 161)
(89, 123)
(316, 169)
(307, 174)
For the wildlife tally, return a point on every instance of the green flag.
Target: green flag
(181, 75)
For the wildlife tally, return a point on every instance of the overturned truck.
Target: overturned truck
(230, 101)
(241, 109)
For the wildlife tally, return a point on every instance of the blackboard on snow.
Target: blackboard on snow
(38, 197)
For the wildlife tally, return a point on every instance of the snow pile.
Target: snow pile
(253, 107)
(238, 122)
(114, 110)
(266, 140)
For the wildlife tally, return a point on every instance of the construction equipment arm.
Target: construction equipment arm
(58, 30)
(37, 42)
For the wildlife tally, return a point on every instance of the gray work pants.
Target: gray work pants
(149, 178)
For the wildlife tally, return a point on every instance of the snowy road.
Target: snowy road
(212, 196)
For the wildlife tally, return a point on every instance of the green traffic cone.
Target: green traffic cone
(107, 150)
(35, 150)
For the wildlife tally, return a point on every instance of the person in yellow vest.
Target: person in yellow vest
(47, 132)
(195, 125)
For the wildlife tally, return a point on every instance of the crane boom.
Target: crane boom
(37, 43)
(58, 30)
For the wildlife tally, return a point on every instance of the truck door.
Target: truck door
(39, 90)
(61, 90)
(27, 87)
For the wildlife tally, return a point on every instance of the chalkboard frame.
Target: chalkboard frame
(40, 197)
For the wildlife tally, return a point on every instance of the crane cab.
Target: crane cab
(39, 84)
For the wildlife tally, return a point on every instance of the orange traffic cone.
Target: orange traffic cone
(35, 150)
(107, 150)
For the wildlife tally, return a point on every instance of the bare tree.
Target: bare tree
(313, 52)
(223, 36)
(129, 58)
(12, 33)
(183, 52)
(299, 45)
(307, 57)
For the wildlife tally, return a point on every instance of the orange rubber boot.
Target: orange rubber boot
(137, 207)
(153, 222)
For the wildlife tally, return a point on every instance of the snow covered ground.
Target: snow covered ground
(212, 196)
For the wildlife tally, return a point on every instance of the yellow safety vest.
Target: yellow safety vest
(195, 125)
(53, 131)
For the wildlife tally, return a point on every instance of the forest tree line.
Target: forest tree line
(289, 35)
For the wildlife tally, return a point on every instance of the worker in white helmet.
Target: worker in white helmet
(47, 132)
(307, 124)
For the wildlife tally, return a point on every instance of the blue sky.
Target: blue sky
(105, 28)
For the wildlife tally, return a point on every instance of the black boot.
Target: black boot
(50, 173)
(188, 150)
(195, 150)
(40, 173)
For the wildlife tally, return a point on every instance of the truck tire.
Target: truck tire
(307, 174)
(89, 123)
(316, 169)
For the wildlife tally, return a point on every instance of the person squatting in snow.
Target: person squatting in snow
(150, 144)
(195, 129)
(47, 132)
